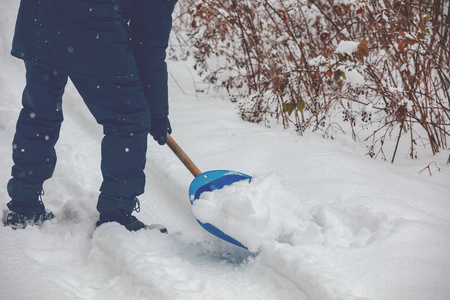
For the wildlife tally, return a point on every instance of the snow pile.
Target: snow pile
(264, 210)
(243, 209)
(235, 212)
(352, 226)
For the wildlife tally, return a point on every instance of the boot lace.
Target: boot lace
(42, 193)
(137, 207)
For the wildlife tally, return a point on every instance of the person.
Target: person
(113, 51)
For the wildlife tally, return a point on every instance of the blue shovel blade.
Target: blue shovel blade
(210, 181)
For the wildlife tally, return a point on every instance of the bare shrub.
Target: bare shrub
(379, 70)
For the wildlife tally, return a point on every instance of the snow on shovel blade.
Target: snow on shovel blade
(210, 181)
(206, 182)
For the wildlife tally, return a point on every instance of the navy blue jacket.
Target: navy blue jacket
(112, 40)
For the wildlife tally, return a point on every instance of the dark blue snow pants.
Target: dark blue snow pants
(120, 107)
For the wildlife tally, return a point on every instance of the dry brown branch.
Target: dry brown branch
(280, 57)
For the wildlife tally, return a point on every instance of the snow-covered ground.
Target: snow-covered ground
(334, 224)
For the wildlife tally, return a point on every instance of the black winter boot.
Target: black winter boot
(20, 221)
(26, 206)
(119, 209)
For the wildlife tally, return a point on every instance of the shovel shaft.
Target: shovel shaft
(183, 156)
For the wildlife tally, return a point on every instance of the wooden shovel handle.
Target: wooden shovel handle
(183, 156)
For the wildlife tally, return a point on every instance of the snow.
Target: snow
(347, 47)
(332, 223)
(253, 212)
(352, 76)
(234, 212)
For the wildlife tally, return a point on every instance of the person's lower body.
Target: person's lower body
(123, 111)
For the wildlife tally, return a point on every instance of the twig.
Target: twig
(177, 83)
(428, 167)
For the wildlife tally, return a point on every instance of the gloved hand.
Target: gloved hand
(159, 129)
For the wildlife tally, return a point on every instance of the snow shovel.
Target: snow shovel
(206, 182)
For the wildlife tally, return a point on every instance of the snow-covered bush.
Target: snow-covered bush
(377, 69)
